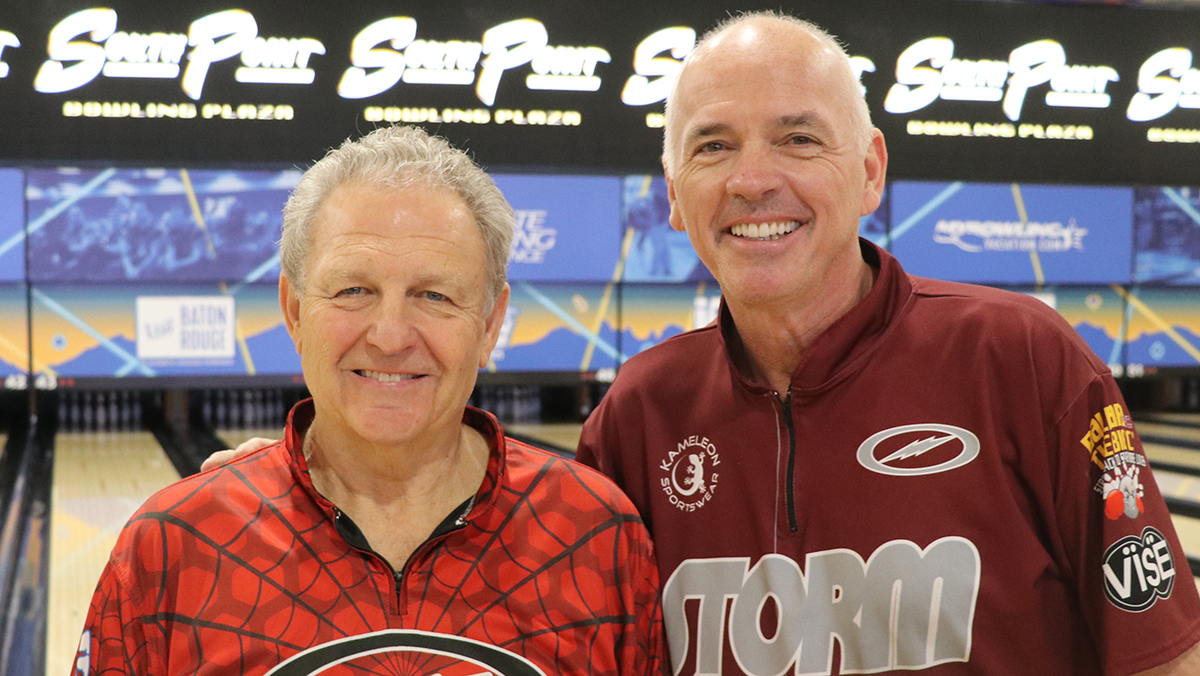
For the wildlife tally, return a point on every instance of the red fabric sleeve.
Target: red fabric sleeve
(1136, 590)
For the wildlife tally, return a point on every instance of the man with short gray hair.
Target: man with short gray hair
(394, 529)
(859, 471)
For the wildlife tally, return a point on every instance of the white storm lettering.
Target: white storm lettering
(654, 74)
(1165, 81)
(1031, 65)
(903, 608)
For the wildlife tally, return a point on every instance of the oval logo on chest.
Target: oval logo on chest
(916, 450)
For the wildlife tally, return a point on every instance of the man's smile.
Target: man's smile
(387, 377)
(764, 231)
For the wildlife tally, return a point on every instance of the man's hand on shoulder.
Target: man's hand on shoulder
(224, 457)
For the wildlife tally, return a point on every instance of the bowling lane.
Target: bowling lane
(1184, 419)
(100, 479)
(235, 437)
(562, 435)
(1161, 431)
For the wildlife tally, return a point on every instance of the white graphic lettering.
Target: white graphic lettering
(6, 40)
(186, 327)
(53, 77)
(1166, 80)
(83, 656)
(523, 41)
(1031, 65)
(213, 38)
(861, 64)
(236, 29)
(1139, 571)
(365, 53)
(507, 46)
(975, 236)
(654, 74)
(903, 608)
(405, 58)
(880, 454)
(532, 240)
(690, 473)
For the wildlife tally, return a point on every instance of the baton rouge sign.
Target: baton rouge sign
(916, 450)
(1139, 571)
(435, 653)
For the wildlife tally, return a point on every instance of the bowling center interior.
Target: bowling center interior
(146, 152)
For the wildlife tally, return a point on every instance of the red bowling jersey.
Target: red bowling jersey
(952, 484)
(246, 569)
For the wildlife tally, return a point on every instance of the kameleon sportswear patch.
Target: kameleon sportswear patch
(1139, 571)
(915, 450)
(411, 652)
(688, 473)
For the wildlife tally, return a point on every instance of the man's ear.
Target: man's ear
(289, 302)
(492, 324)
(875, 163)
(675, 218)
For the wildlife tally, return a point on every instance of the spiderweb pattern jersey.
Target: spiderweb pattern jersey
(240, 569)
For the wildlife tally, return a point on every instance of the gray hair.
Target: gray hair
(859, 113)
(397, 157)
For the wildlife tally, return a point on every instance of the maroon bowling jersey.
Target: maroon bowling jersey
(952, 484)
(246, 569)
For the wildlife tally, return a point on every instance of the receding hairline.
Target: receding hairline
(773, 26)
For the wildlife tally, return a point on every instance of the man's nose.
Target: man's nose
(756, 173)
(393, 327)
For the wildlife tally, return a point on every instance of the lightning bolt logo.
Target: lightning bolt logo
(932, 435)
(918, 447)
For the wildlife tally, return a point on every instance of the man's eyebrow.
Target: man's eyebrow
(715, 129)
(801, 120)
(809, 120)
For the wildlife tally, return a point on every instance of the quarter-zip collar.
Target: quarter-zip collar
(849, 341)
(301, 418)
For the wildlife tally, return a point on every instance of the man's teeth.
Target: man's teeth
(386, 377)
(765, 231)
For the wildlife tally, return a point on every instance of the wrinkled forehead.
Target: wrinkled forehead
(785, 67)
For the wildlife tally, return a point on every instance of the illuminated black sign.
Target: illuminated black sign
(962, 90)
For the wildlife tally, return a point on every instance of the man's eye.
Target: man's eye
(710, 147)
(352, 291)
(800, 140)
(435, 296)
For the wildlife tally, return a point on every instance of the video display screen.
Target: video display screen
(120, 331)
(1166, 231)
(567, 227)
(1164, 328)
(553, 326)
(12, 225)
(14, 336)
(1012, 233)
(155, 225)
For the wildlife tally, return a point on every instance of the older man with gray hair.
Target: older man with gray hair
(394, 529)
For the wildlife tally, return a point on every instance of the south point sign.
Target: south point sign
(87, 45)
